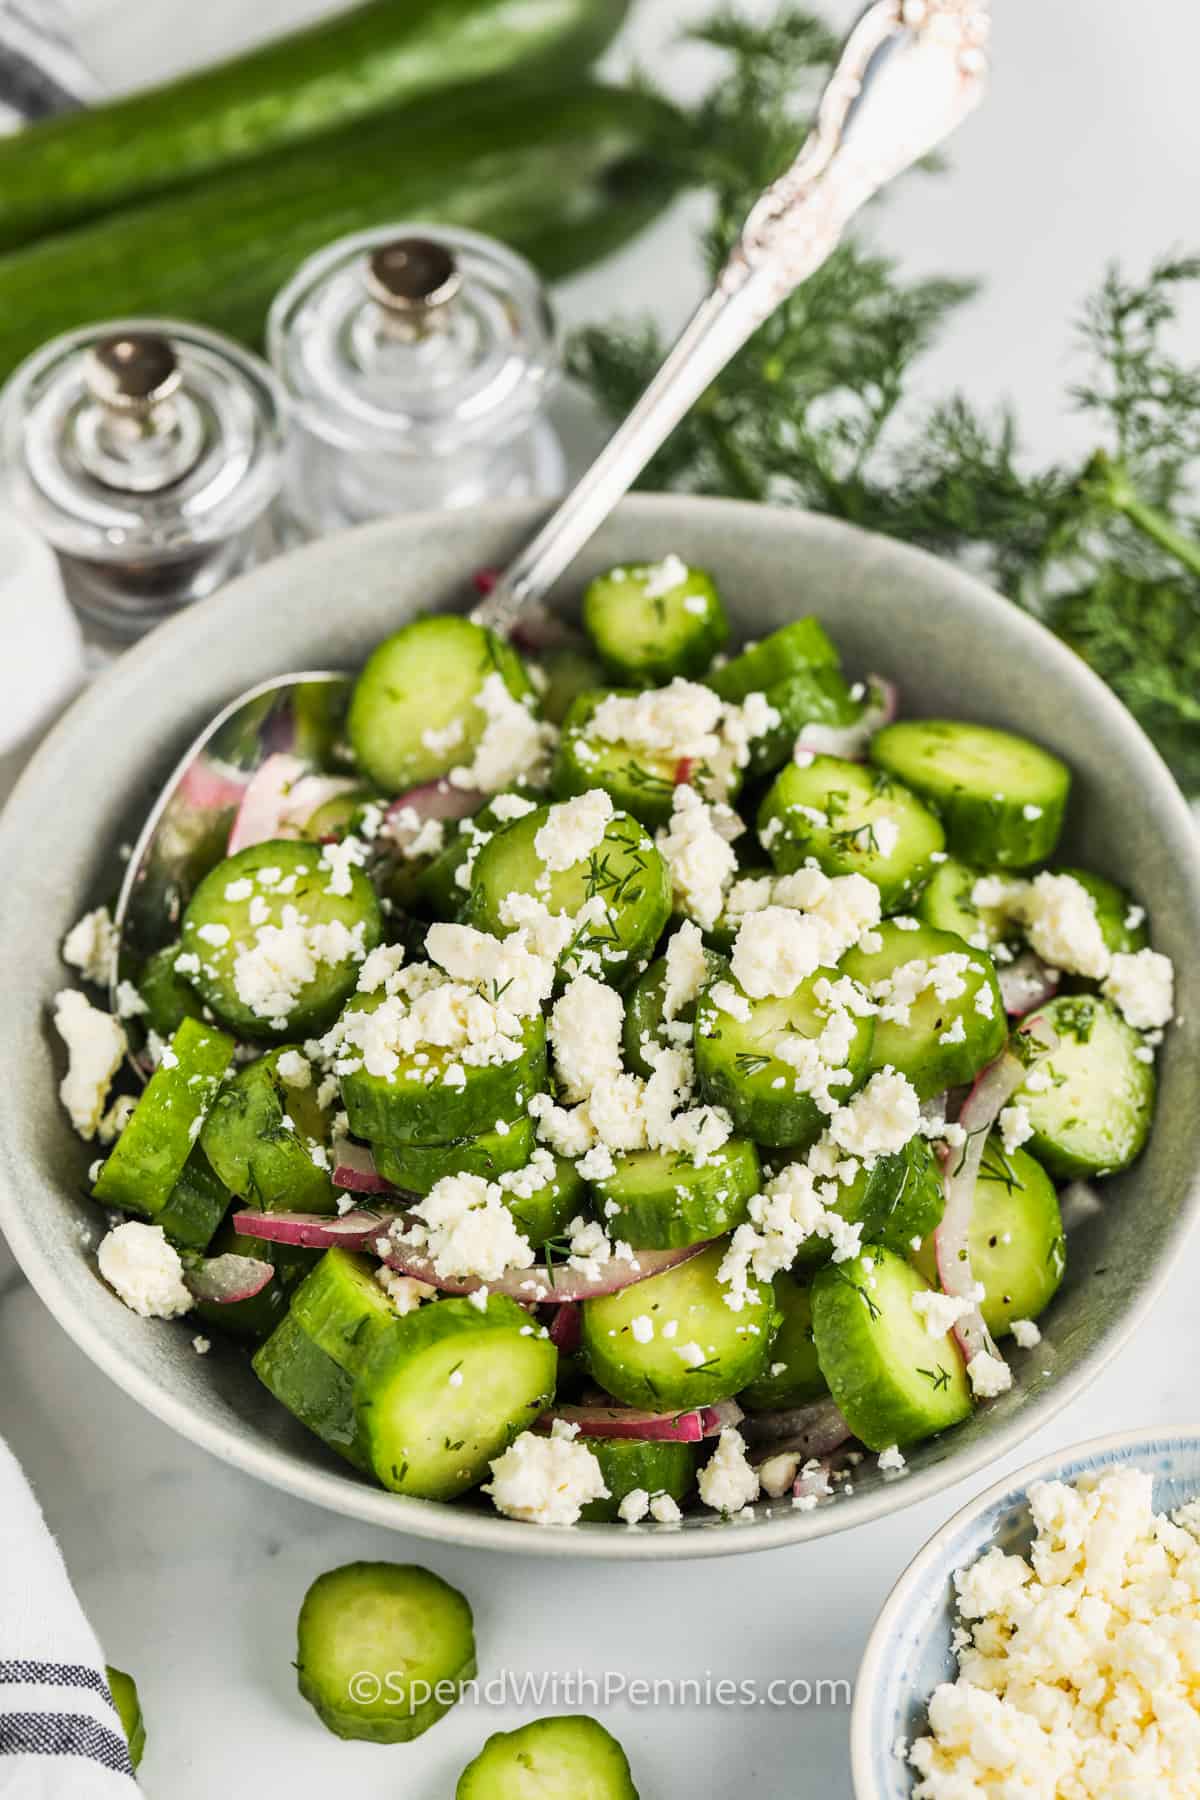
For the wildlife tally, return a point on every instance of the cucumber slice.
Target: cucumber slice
(625, 872)
(568, 671)
(196, 1204)
(340, 816)
(897, 1201)
(793, 1376)
(852, 820)
(123, 1689)
(1018, 1248)
(415, 1105)
(270, 947)
(701, 1350)
(419, 1167)
(546, 1211)
(569, 1757)
(656, 1200)
(436, 889)
(658, 1466)
(432, 1436)
(269, 1141)
(312, 1386)
(255, 1319)
(1093, 1115)
(1114, 910)
(414, 713)
(739, 1066)
(946, 904)
(169, 1000)
(817, 696)
(942, 1043)
(1000, 797)
(381, 1649)
(652, 621)
(644, 1022)
(149, 1157)
(640, 782)
(802, 644)
(342, 1309)
(893, 1383)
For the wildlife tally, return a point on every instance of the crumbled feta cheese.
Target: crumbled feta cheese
(879, 1120)
(891, 1460)
(573, 830)
(130, 1004)
(941, 1312)
(585, 1035)
(727, 1482)
(642, 1328)
(664, 1509)
(464, 1228)
(144, 1270)
(1059, 916)
(1142, 984)
(660, 577)
(505, 970)
(95, 1047)
(686, 970)
(116, 1119)
(698, 854)
(201, 1345)
(340, 862)
(271, 973)
(295, 1070)
(404, 1291)
(545, 1480)
(91, 947)
(1026, 1333)
(514, 744)
(634, 1507)
(990, 1375)
(1016, 1127)
(777, 1473)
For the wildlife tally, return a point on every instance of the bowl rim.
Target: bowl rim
(343, 1492)
(1011, 1490)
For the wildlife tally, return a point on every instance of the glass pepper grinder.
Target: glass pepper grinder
(148, 454)
(417, 361)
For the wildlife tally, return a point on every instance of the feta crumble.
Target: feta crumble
(95, 1048)
(91, 947)
(144, 1270)
(727, 1482)
(546, 1480)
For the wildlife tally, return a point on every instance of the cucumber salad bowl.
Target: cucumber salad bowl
(696, 1078)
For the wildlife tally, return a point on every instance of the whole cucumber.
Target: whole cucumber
(380, 55)
(562, 174)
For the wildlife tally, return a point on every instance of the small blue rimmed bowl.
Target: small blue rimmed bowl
(908, 1652)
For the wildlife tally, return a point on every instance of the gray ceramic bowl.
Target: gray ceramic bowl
(954, 648)
(908, 1652)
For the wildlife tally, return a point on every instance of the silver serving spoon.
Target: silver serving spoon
(909, 73)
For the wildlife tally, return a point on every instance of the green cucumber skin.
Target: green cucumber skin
(816, 696)
(570, 670)
(342, 1309)
(419, 1167)
(802, 644)
(1097, 1120)
(567, 1757)
(690, 1205)
(255, 1153)
(900, 1199)
(916, 1049)
(384, 1110)
(169, 999)
(842, 842)
(644, 1010)
(375, 57)
(647, 796)
(562, 177)
(657, 1464)
(123, 1689)
(151, 1153)
(801, 1379)
(315, 1390)
(622, 622)
(985, 822)
(196, 1204)
(1112, 909)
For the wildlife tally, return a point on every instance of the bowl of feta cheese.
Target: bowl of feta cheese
(1045, 1640)
(760, 1332)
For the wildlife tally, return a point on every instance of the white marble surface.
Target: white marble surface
(191, 1573)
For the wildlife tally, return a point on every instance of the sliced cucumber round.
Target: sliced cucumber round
(801, 644)
(652, 621)
(645, 1028)
(436, 890)
(1000, 797)
(641, 782)
(657, 1466)
(656, 1200)
(897, 1201)
(700, 1349)
(196, 1204)
(816, 696)
(446, 1389)
(269, 1142)
(414, 713)
(568, 1757)
(314, 1388)
(342, 1308)
(381, 1649)
(1091, 1100)
(943, 1042)
(419, 1167)
(852, 820)
(793, 1376)
(893, 1383)
(946, 903)
(268, 944)
(739, 1064)
(168, 998)
(546, 1211)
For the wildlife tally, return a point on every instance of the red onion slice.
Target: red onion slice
(357, 1230)
(808, 1431)
(689, 1427)
(565, 1329)
(1025, 983)
(433, 800)
(543, 1283)
(227, 1279)
(850, 741)
(354, 1169)
(264, 804)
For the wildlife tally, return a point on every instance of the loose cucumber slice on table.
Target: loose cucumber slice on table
(271, 947)
(269, 1141)
(415, 712)
(416, 1105)
(739, 1065)
(148, 1159)
(625, 872)
(381, 1649)
(659, 1466)
(446, 1389)
(645, 1026)
(419, 1167)
(653, 621)
(656, 1200)
(1000, 797)
(1091, 1100)
(1114, 909)
(640, 781)
(946, 903)
(943, 1042)
(801, 644)
(893, 1383)
(700, 1350)
(897, 1201)
(793, 1376)
(123, 1689)
(1018, 1250)
(852, 820)
(569, 1757)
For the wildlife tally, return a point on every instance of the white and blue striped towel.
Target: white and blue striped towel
(40, 71)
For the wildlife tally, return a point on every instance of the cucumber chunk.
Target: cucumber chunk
(817, 696)
(1114, 910)
(852, 820)
(569, 1757)
(793, 1376)
(898, 1200)
(802, 644)
(568, 671)
(268, 944)
(941, 1042)
(168, 998)
(1018, 1249)
(652, 621)
(314, 1388)
(739, 1064)
(644, 1023)
(254, 1320)
(123, 1689)
(437, 890)
(700, 1351)
(381, 1649)
(1000, 797)
(416, 1105)
(641, 782)
(625, 872)
(432, 1436)
(893, 1383)
(196, 1204)
(149, 1157)
(947, 905)
(419, 1167)
(656, 1200)
(656, 1465)
(545, 1212)
(1093, 1114)
(269, 1141)
(415, 713)
(342, 1308)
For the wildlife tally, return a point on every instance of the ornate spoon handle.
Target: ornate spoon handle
(909, 73)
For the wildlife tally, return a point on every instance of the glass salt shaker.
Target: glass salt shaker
(417, 361)
(148, 453)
